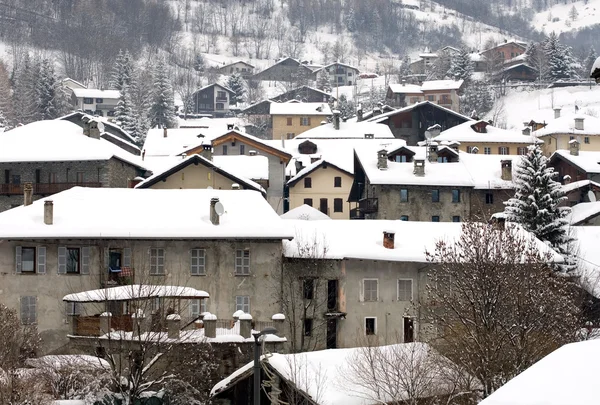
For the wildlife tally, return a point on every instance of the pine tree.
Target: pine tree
(162, 110)
(237, 84)
(6, 99)
(560, 59)
(24, 96)
(477, 97)
(589, 61)
(124, 116)
(46, 91)
(141, 95)
(461, 66)
(323, 83)
(536, 204)
(123, 71)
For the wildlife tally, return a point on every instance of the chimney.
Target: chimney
(574, 147)
(210, 325)
(566, 179)
(94, 130)
(173, 326)
(278, 320)
(556, 112)
(214, 217)
(336, 119)
(579, 123)
(206, 151)
(252, 152)
(526, 131)
(433, 152)
(27, 194)
(382, 160)
(435, 130)
(283, 140)
(388, 239)
(359, 114)
(506, 166)
(246, 325)
(164, 132)
(48, 212)
(419, 168)
(135, 181)
(235, 186)
(230, 127)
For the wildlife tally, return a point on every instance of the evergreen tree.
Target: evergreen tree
(162, 110)
(24, 95)
(345, 106)
(124, 114)
(237, 84)
(441, 66)
(123, 71)
(560, 60)
(589, 62)
(323, 81)
(6, 100)
(141, 95)
(45, 89)
(535, 57)
(477, 97)
(461, 66)
(536, 204)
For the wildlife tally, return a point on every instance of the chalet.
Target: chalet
(401, 95)
(520, 71)
(558, 133)
(505, 52)
(293, 118)
(443, 92)
(575, 166)
(95, 102)
(340, 74)
(240, 67)
(213, 99)
(285, 70)
(46, 157)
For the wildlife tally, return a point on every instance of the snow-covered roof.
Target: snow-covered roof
(312, 167)
(58, 141)
(432, 85)
(383, 117)
(567, 188)
(348, 130)
(251, 167)
(96, 93)
(62, 361)
(178, 139)
(582, 212)
(336, 64)
(567, 376)
(295, 108)
(566, 125)
(588, 255)
(215, 84)
(105, 122)
(587, 161)
(327, 378)
(595, 66)
(305, 213)
(405, 88)
(236, 62)
(98, 213)
(465, 132)
(135, 292)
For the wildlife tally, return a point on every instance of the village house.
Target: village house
(55, 155)
(573, 166)
(442, 92)
(293, 118)
(224, 242)
(401, 95)
(286, 70)
(505, 51)
(213, 100)
(240, 67)
(340, 74)
(72, 83)
(95, 101)
(559, 132)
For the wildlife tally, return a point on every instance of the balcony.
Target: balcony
(44, 188)
(368, 205)
(355, 213)
(223, 99)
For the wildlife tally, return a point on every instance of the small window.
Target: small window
(88, 100)
(487, 151)
(400, 159)
(305, 121)
(308, 288)
(157, 261)
(455, 196)
(242, 303)
(456, 218)
(405, 290)
(308, 201)
(72, 308)
(289, 121)
(403, 195)
(307, 182)
(337, 182)
(198, 262)
(242, 262)
(338, 205)
(521, 150)
(197, 307)
(370, 289)
(430, 98)
(503, 150)
(73, 260)
(404, 218)
(16, 179)
(489, 198)
(224, 149)
(571, 138)
(586, 139)
(242, 149)
(435, 195)
(370, 326)
(28, 310)
(28, 260)
(99, 100)
(435, 218)
(308, 325)
(219, 106)
(111, 113)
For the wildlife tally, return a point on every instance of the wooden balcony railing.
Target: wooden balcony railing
(44, 188)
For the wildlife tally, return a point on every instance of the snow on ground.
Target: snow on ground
(557, 18)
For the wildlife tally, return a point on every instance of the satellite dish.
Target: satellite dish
(219, 209)
(427, 135)
(591, 196)
(209, 188)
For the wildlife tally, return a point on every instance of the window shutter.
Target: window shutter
(126, 257)
(85, 260)
(24, 309)
(41, 260)
(32, 309)
(18, 251)
(62, 260)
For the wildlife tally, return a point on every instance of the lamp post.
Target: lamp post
(266, 331)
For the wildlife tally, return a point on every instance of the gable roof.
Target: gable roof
(383, 117)
(433, 85)
(520, 44)
(565, 124)
(195, 160)
(586, 161)
(254, 141)
(300, 89)
(583, 212)
(337, 63)
(311, 168)
(348, 130)
(297, 108)
(96, 93)
(405, 88)
(215, 84)
(465, 132)
(111, 127)
(236, 62)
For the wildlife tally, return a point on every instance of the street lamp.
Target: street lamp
(266, 331)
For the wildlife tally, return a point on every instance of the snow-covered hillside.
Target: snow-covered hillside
(559, 17)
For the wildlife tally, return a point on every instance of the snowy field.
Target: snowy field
(558, 19)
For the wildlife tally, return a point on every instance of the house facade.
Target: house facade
(401, 95)
(576, 165)
(559, 133)
(293, 118)
(285, 70)
(240, 67)
(341, 74)
(213, 100)
(95, 101)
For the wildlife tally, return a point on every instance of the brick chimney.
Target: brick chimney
(48, 212)
(246, 325)
(579, 123)
(574, 147)
(388, 239)
(506, 166)
(27, 194)
(214, 217)
(557, 112)
(173, 326)
(567, 179)
(419, 167)
(382, 159)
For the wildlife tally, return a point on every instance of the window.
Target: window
(51, 178)
(337, 182)
(308, 288)
(72, 308)
(456, 218)
(99, 100)
(435, 195)
(157, 261)
(571, 138)
(586, 139)
(28, 310)
(16, 179)
(198, 262)
(73, 260)
(290, 135)
(221, 96)
(28, 260)
(38, 175)
(111, 113)
(522, 150)
(405, 290)
(338, 205)
(88, 100)
(403, 195)
(197, 307)
(289, 122)
(404, 218)
(370, 287)
(370, 326)
(503, 150)
(400, 159)
(430, 98)
(442, 159)
(80, 177)
(242, 303)
(489, 198)
(308, 201)
(224, 149)
(305, 121)
(307, 182)
(435, 218)
(455, 196)
(219, 106)
(487, 151)
(242, 262)
(308, 325)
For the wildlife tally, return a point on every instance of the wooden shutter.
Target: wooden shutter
(24, 310)
(18, 253)
(28, 310)
(85, 260)
(126, 257)
(41, 260)
(62, 260)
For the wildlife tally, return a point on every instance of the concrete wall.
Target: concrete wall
(281, 127)
(552, 143)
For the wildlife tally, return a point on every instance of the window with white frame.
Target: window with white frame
(198, 262)
(157, 261)
(304, 121)
(242, 303)
(30, 260)
(29, 310)
(197, 307)
(405, 290)
(242, 262)
(370, 289)
(487, 151)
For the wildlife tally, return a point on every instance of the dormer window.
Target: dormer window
(369, 136)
